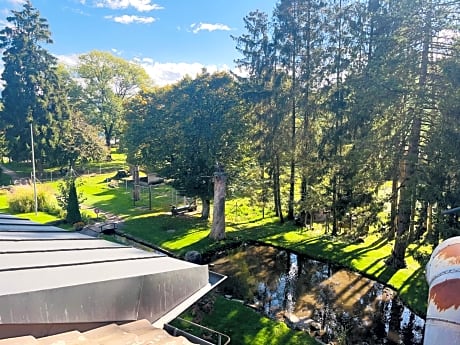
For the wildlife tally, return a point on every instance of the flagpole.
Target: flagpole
(33, 169)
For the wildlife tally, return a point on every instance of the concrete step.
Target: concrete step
(139, 332)
(25, 340)
(159, 337)
(67, 338)
(111, 335)
(137, 326)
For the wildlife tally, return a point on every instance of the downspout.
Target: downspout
(443, 275)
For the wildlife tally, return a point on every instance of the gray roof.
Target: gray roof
(50, 275)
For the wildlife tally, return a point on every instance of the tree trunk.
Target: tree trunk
(136, 191)
(291, 201)
(335, 228)
(108, 135)
(218, 215)
(408, 174)
(394, 206)
(205, 208)
(408, 184)
(264, 190)
(277, 190)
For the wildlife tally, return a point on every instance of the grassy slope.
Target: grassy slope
(245, 326)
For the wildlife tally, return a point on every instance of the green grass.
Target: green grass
(183, 233)
(244, 222)
(245, 326)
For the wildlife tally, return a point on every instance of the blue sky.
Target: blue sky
(170, 38)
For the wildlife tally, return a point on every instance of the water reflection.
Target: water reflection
(333, 304)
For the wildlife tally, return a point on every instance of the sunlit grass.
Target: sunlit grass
(40, 217)
(245, 326)
(245, 223)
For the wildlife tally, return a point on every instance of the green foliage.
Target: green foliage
(82, 142)
(64, 187)
(200, 122)
(21, 200)
(32, 94)
(73, 208)
(109, 82)
(245, 326)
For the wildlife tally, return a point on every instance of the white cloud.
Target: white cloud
(161, 73)
(17, 2)
(209, 27)
(139, 5)
(68, 60)
(126, 19)
(170, 73)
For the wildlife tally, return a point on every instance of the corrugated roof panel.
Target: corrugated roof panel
(29, 227)
(41, 236)
(16, 246)
(18, 221)
(21, 261)
(8, 216)
(53, 276)
(13, 282)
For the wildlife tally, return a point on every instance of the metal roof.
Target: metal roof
(52, 276)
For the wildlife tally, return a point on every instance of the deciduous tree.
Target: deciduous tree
(109, 81)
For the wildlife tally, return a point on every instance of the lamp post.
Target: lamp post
(33, 169)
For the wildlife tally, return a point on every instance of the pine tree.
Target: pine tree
(31, 93)
(73, 209)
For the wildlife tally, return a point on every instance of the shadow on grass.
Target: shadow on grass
(414, 290)
(182, 234)
(385, 273)
(379, 243)
(245, 326)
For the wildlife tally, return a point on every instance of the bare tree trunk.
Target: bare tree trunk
(264, 190)
(277, 190)
(291, 201)
(108, 135)
(135, 173)
(218, 215)
(394, 206)
(205, 208)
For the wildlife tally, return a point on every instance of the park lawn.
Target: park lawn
(180, 234)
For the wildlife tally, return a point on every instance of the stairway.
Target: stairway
(139, 332)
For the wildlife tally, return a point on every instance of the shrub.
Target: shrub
(21, 200)
(73, 208)
(78, 225)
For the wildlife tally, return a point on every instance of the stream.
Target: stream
(333, 304)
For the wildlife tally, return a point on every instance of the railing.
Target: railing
(219, 337)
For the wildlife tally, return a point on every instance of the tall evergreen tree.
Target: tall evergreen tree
(73, 209)
(32, 94)
(264, 90)
(419, 42)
